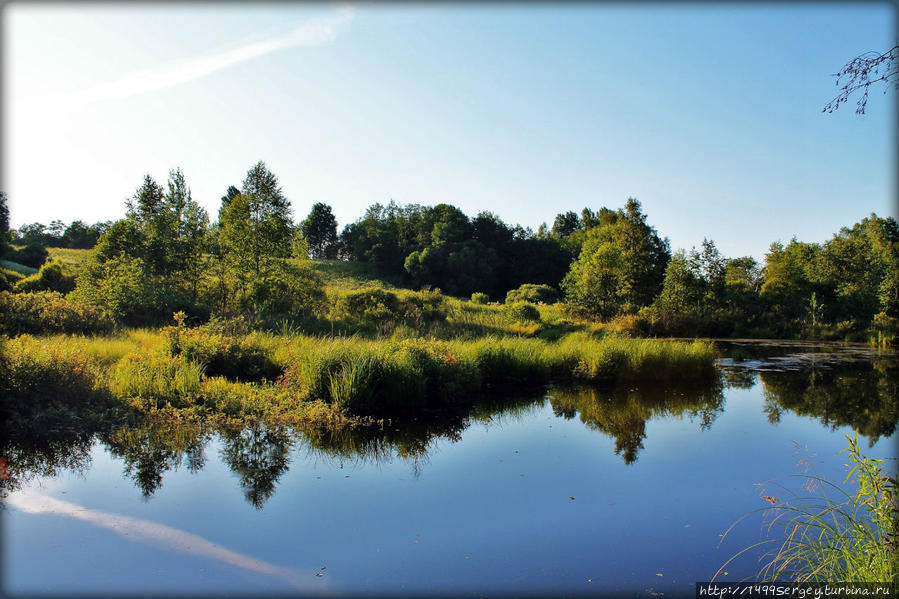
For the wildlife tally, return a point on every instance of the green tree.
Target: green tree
(230, 194)
(565, 224)
(255, 236)
(162, 241)
(621, 265)
(789, 279)
(320, 232)
(4, 225)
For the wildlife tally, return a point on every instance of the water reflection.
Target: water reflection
(860, 393)
(863, 397)
(854, 386)
(149, 532)
(47, 456)
(623, 413)
(151, 450)
(258, 455)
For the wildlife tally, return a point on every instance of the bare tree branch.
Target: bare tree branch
(861, 73)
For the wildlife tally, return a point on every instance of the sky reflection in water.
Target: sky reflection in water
(575, 490)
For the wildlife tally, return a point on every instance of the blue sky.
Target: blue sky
(708, 114)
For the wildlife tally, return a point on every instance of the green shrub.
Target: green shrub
(885, 329)
(479, 298)
(533, 293)
(292, 291)
(50, 277)
(12, 277)
(423, 306)
(370, 304)
(47, 384)
(119, 287)
(238, 358)
(522, 312)
(49, 312)
(371, 307)
(33, 255)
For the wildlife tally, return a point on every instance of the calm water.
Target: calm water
(560, 491)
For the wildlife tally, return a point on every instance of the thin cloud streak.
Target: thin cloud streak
(318, 32)
(145, 531)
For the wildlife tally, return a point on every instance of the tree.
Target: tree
(4, 225)
(860, 73)
(154, 257)
(230, 194)
(320, 231)
(621, 265)
(255, 236)
(565, 224)
(695, 283)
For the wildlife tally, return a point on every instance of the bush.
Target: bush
(885, 329)
(291, 291)
(522, 312)
(49, 278)
(371, 304)
(423, 306)
(479, 298)
(49, 312)
(46, 384)
(372, 307)
(119, 287)
(238, 358)
(535, 294)
(33, 255)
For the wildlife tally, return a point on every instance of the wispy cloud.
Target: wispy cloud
(317, 32)
(146, 531)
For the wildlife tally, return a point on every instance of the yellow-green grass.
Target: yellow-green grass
(69, 256)
(342, 274)
(348, 376)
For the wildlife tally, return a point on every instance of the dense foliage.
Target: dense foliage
(441, 247)
(621, 265)
(77, 234)
(320, 232)
(608, 265)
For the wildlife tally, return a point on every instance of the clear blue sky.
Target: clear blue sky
(710, 115)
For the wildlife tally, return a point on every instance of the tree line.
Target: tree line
(610, 264)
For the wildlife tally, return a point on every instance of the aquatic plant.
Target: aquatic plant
(835, 535)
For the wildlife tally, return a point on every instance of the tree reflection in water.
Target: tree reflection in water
(259, 455)
(622, 413)
(151, 450)
(862, 395)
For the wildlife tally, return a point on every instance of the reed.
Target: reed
(836, 535)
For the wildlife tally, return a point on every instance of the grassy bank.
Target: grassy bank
(301, 379)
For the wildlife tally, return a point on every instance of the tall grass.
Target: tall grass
(356, 376)
(156, 380)
(836, 535)
(364, 375)
(49, 385)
